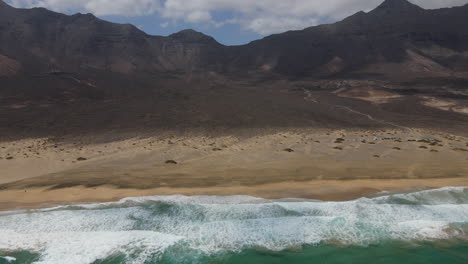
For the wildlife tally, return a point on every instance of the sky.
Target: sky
(231, 22)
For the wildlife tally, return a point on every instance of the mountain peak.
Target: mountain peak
(398, 5)
(190, 35)
(3, 4)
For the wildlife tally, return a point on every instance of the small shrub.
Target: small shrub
(339, 140)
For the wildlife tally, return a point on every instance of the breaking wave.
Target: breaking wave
(172, 229)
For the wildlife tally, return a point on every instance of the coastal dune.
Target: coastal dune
(316, 164)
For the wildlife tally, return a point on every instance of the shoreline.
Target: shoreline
(323, 190)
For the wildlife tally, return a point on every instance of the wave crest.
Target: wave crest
(145, 227)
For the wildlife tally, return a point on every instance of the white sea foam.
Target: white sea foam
(8, 258)
(145, 227)
(86, 247)
(447, 195)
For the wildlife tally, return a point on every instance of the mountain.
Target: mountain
(397, 31)
(43, 40)
(398, 6)
(53, 61)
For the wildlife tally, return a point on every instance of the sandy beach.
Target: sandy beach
(315, 164)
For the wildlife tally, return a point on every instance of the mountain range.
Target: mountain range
(71, 73)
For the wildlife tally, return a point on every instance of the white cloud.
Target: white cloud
(261, 16)
(121, 7)
(198, 16)
(266, 25)
(97, 7)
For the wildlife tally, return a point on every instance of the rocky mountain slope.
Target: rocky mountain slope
(404, 64)
(425, 42)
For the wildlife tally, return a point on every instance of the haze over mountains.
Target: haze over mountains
(55, 67)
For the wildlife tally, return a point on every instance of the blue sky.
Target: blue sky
(229, 34)
(231, 22)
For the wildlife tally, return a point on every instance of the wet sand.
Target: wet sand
(334, 190)
(324, 165)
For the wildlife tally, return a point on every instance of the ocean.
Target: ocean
(419, 227)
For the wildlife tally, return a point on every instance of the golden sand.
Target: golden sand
(325, 165)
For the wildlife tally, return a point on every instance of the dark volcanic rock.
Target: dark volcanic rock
(384, 35)
(398, 6)
(79, 74)
(48, 41)
(192, 36)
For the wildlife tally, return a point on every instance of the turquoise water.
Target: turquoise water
(420, 227)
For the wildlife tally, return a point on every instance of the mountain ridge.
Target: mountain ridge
(387, 4)
(78, 73)
(77, 42)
